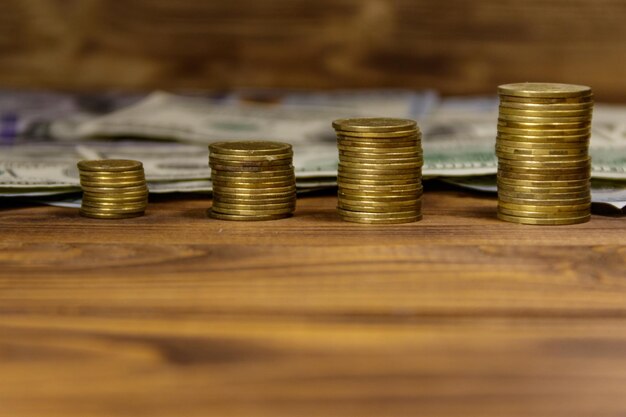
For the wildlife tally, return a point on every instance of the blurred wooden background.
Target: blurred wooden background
(455, 46)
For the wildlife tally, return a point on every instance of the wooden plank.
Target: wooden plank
(174, 313)
(455, 46)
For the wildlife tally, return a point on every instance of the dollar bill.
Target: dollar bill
(458, 134)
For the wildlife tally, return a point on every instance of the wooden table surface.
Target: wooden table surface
(174, 314)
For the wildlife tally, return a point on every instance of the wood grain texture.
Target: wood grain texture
(456, 46)
(175, 314)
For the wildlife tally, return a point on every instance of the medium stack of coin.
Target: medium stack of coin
(380, 170)
(252, 180)
(113, 188)
(542, 146)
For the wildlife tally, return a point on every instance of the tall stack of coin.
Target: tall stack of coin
(252, 180)
(542, 146)
(113, 188)
(380, 170)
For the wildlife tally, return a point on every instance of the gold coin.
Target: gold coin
(544, 190)
(539, 145)
(265, 190)
(384, 169)
(357, 161)
(543, 183)
(366, 217)
(260, 175)
(542, 196)
(550, 221)
(110, 165)
(259, 212)
(115, 199)
(581, 139)
(543, 208)
(380, 152)
(236, 165)
(542, 177)
(381, 215)
(511, 169)
(400, 200)
(387, 166)
(377, 209)
(507, 112)
(110, 216)
(247, 184)
(532, 106)
(229, 199)
(374, 221)
(543, 215)
(380, 135)
(250, 147)
(544, 90)
(104, 211)
(281, 169)
(380, 195)
(255, 207)
(546, 101)
(542, 131)
(397, 220)
(382, 188)
(254, 179)
(284, 158)
(369, 146)
(113, 184)
(580, 121)
(543, 126)
(512, 158)
(577, 163)
(115, 190)
(544, 201)
(235, 217)
(378, 182)
(253, 198)
(123, 176)
(543, 171)
(412, 176)
(126, 207)
(374, 124)
(543, 152)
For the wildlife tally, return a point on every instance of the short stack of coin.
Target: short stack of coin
(113, 188)
(380, 170)
(252, 180)
(542, 146)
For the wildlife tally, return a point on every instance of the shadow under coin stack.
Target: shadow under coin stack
(113, 188)
(380, 170)
(542, 146)
(252, 180)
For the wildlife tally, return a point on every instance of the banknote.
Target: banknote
(458, 133)
(37, 169)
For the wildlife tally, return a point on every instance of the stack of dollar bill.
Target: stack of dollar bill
(252, 180)
(113, 188)
(544, 168)
(380, 170)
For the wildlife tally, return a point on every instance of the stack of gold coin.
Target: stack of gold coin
(252, 180)
(542, 146)
(113, 188)
(380, 170)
